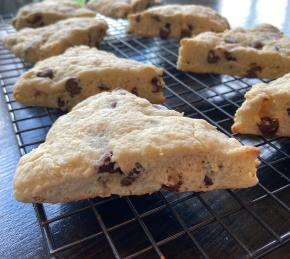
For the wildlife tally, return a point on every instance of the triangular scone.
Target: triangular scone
(119, 8)
(266, 110)
(37, 44)
(176, 21)
(262, 51)
(117, 143)
(65, 80)
(47, 12)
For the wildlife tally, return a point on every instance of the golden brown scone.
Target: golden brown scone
(266, 110)
(63, 81)
(48, 12)
(117, 143)
(262, 52)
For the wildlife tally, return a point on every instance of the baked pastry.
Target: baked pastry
(117, 143)
(47, 12)
(119, 8)
(176, 21)
(266, 110)
(65, 80)
(262, 52)
(33, 45)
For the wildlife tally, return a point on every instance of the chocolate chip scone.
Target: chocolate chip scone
(65, 80)
(119, 8)
(117, 143)
(47, 12)
(176, 21)
(33, 45)
(262, 52)
(266, 110)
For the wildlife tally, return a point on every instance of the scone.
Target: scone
(176, 21)
(117, 143)
(65, 80)
(262, 52)
(119, 8)
(47, 12)
(266, 110)
(33, 45)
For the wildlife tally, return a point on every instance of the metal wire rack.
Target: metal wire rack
(248, 223)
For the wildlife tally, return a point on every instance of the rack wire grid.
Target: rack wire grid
(245, 223)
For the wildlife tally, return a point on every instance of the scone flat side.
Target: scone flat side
(117, 143)
(266, 109)
(261, 52)
(63, 81)
(176, 21)
(33, 45)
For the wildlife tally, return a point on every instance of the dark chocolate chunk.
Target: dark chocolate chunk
(165, 31)
(156, 85)
(114, 104)
(134, 91)
(257, 44)
(208, 181)
(103, 87)
(138, 18)
(212, 57)
(45, 73)
(268, 126)
(60, 102)
(230, 40)
(185, 33)
(229, 56)
(72, 86)
(288, 111)
(190, 27)
(37, 20)
(253, 70)
(156, 18)
(133, 175)
(105, 165)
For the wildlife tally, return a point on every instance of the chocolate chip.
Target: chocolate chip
(134, 91)
(45, 73)
(105, 165)
(288, 111)
(60, 102)
(165, 31)
(207, 181)
(253, 70)
(257, 44)
(190, 27)
(133, 175)
(156, 85)
(138, 18)
(72, 86)
(185, 33)
(268, 126)
(114, 104)
(230, 40)
(156, 18)
(175, 187)
(212, 57)
(229, 56)
(103, 87)
(37, 20)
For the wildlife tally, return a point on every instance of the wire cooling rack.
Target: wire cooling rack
(247, 223)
